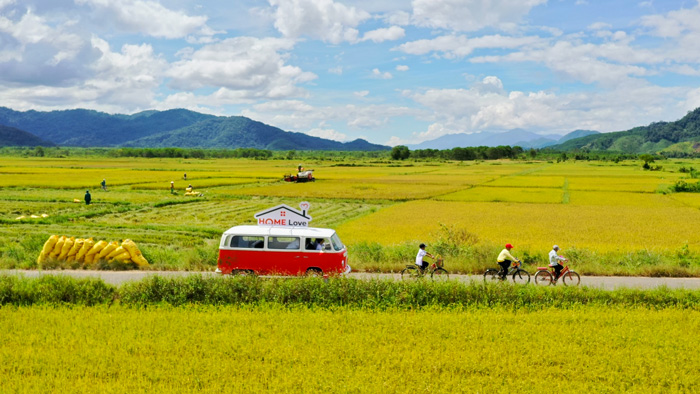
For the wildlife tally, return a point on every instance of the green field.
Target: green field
(609, 218)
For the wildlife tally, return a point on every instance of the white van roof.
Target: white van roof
(309, 232)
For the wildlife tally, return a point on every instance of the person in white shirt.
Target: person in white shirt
(554, 260)
(505, 259)
(419, 257)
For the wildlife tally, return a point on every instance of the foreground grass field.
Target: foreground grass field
(273, 349)
(610, 218)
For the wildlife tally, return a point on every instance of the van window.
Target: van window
(247, 241)
(337, 245)
(288, 243)
(313, 244)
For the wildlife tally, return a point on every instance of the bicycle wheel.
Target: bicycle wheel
(410, 273)
(543, 278)
(571, 279)
(491, 275)
(440, 274)
(521, 277)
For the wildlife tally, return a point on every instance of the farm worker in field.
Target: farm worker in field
(172, 187)
(104, 184)
(505, 259)
(419, 257)
(184, 176)
(88, 197)
(554, 260)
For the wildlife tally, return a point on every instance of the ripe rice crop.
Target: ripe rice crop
(631, 199)
(556, 182)
(506, 194)
(267, 349)
(533, 227)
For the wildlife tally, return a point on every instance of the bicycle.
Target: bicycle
(518, 274)
(436, 270)
(545, 276)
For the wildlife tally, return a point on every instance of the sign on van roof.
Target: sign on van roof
(285, 216)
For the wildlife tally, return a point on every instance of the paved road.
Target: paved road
(605, 282)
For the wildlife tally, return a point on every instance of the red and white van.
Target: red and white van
(266, 250)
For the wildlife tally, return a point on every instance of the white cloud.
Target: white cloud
(336, 70)
(381, 75)
(146, 17)
(318, 19)
(600, 26)
(402, 67)
(453, 46)
(388, 34)
(117, 82)
(328, 134)
(362, 93)
(243, 67)
(475, 109)
(470, 15)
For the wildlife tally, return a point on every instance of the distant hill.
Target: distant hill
(172, 128)
(515, 137)
(241, 132)
(653, 138)
(11, 136)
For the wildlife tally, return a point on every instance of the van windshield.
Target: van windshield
(335, 240)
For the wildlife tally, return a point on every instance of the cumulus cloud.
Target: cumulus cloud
(402, 67)
(388, 34)
(453, 46)
(476, 109)
(243, 68)
(117, 81)
(329, 134)
(146, 17)
(381, 75)
(470, 15)
(325, 20)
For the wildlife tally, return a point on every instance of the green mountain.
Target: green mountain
(653, 138)
(173, 128)
(240, 132)
(81, 127)
(10, 136)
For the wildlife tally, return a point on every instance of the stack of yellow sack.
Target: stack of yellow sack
(189, 191)
(90, 252)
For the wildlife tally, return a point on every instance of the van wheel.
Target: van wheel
(243, 273)
(314, 272)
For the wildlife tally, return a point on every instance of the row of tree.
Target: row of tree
(402, 152)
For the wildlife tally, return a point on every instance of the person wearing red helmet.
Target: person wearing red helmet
(505, 259)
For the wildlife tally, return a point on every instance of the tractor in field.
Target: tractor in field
(301, 176)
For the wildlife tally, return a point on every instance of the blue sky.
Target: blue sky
(392, 72)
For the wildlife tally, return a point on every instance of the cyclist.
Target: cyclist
(554, 260)
(419, 257)
(505, 259)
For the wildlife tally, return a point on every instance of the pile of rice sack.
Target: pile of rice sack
(43, 215)
(189, 191)
(90, 252)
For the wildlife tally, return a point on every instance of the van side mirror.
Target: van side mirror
(327, 247)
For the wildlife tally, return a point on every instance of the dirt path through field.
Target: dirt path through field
(605, 282)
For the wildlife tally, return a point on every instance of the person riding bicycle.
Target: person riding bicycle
(554, 260)
(505, 259)
(419, 257)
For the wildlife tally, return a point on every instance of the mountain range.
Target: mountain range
(515, 137)
(189, 129)
(682, 135)
(172, 128)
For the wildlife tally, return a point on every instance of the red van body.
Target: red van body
(281, 251)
